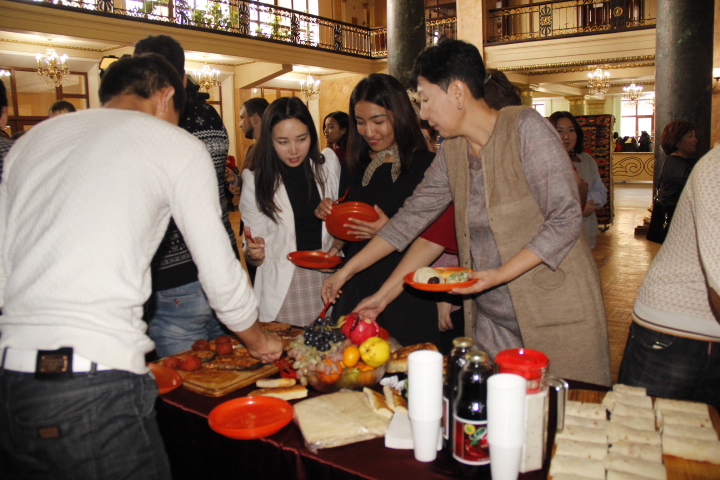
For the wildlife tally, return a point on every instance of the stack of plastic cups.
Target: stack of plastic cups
(506, 424)
(425, 387)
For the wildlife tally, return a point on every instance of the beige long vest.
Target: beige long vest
(560, 312)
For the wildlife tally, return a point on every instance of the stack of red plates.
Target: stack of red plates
(344, 211)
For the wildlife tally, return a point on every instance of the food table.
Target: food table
(196, 451)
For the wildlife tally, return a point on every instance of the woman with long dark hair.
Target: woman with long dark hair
(571, 134)
(387, 156)
(288, 178)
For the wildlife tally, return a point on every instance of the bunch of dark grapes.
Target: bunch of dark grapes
(321, 333)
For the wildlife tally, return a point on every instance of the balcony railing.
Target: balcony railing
(258, 20)
(540, 21)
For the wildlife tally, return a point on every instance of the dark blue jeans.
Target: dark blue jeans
(99, 426)
(672, 367)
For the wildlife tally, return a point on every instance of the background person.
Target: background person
(517, 221)
(73, 286)
(5, 143)
(673, 348)
(679, 143)
(288, 178)
(60, 107)
(572, 138)
(179, 310)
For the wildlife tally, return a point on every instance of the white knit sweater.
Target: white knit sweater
(84, 202)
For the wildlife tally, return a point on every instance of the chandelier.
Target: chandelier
(4, 73)
(650, 99)
(52, 68)
(632, 93)
(207, 77)
(310, 88)
(598, 81)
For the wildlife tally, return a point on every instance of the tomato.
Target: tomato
(190, 363)
(351, 356)
(201, 344)
(224, 348)
(223, 339)
(171, 362)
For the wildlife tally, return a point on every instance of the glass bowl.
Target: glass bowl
(350, 379)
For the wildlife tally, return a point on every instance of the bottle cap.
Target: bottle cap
(477, 356)
(463, 342)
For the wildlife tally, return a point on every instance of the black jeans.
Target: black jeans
(672, 367)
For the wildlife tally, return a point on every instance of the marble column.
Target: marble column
(577, 105)
(683, 67)
(594, 107)
(406, 36)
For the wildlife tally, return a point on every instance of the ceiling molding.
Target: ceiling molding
(56, 45)
(565, 67)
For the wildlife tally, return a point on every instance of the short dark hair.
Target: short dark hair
(165, 46)
(448, 61)
(499, 91)
(3, 95)
(143, 76)
(672, 133)
(342, 119)
(386, 92)
(579, 144)
(61, 105)
(267, 164)
(256, 105)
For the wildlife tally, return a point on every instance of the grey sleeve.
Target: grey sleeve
(429, 200)
(551, 180)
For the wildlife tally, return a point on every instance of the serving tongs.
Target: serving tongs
(341, 198)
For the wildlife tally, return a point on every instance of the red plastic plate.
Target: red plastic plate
(167, 379)
(344, 211)
(313, 259)
(250, 417)
(439, 287)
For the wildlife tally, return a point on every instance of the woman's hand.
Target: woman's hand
(444, 321)
(255, 250)
(590, 208)
(324, 208)
(331, 287)
(366, 230)
(371, 306)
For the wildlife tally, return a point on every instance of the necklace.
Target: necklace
(378, 160)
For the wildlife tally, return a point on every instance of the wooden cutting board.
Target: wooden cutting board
(216, 383)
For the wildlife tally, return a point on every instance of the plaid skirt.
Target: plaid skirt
(303, 302)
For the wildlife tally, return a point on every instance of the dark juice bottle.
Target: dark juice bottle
(470, 446)
(456, 361)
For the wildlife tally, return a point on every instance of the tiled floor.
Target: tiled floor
(622, 258)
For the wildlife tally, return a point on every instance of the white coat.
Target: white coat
(273, 277)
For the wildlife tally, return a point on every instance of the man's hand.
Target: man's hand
(324, 208)
(366, 230)
(266, 347)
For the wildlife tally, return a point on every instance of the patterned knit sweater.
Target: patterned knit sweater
(173, 265)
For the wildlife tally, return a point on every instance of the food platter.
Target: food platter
(438, 287)
(314, 259)
(250, 417)
(342, 212)
(167, 379)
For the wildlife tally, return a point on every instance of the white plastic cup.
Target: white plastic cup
(505, 462)
(425, 385)
(425, 439)
(506, 410)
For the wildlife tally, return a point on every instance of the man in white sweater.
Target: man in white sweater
(84, 202)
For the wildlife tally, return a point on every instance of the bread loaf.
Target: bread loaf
(285, 393)
(394, 400)
(275, 382)
(399, 358)
(378, 403)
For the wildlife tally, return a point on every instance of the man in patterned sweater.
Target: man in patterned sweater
(179, 311)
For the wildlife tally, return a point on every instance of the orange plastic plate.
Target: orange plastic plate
(344, 211)
(439, 287)
(245, 418)
(313, 259)
(167, 379)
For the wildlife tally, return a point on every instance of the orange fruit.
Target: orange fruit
(351, 356)
(331, 377)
